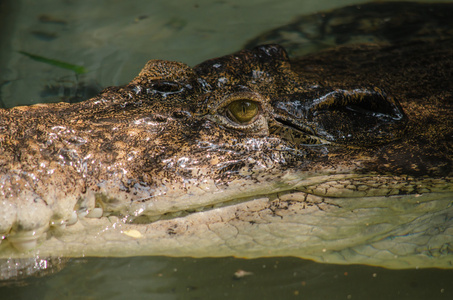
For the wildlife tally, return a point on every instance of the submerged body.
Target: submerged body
(343, 156)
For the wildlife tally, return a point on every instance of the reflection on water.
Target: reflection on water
(230, 278)
(113, 40)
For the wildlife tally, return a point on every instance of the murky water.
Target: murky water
(113, 39)
(230, 278)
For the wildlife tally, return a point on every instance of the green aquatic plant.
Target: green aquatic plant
(61, 64)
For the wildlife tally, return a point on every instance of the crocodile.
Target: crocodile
(339, 156)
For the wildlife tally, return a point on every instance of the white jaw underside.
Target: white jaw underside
(335, 218)
(396, 231)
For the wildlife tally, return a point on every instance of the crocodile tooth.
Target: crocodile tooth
(58, 224)
(217, 205)
(95, 213)
(201, 208)
(82, 213)
(176, 213)
(72, 219)
(26, 240)
(154, 218)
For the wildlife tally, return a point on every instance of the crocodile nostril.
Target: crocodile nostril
(180, 114)
(165, 88)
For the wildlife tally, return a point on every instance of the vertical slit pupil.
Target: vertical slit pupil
(243, 111)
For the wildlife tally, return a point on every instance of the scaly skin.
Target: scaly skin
(347, 159)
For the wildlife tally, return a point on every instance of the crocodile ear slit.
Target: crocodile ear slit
(358, 116)
(369, 102)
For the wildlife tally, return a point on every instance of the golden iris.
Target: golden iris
(243, 111)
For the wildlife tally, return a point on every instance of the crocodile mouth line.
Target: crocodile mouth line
(26, 240)
(289, 195)
(144, 218)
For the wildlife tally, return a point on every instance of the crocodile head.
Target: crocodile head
(250, 155)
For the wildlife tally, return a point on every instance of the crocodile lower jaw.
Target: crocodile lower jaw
(394, 232)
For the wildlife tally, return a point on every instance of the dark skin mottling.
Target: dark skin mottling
(169, 110)
(423, 87)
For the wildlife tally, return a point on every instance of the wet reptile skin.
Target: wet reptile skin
(346, 158)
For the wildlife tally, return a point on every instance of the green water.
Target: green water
(211, 278)
(113, 40)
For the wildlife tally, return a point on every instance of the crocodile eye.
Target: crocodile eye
(243, 111)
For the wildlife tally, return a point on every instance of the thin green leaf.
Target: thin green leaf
(57, 63)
